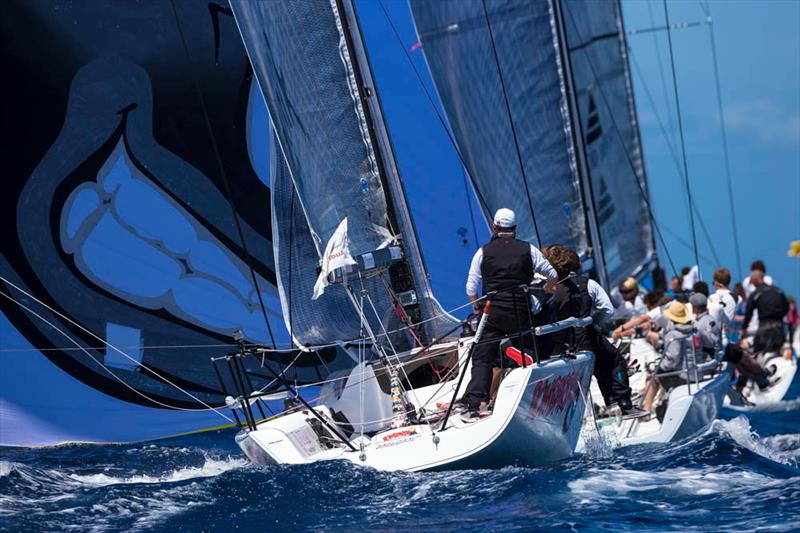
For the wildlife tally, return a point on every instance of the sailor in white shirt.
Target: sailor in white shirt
(540, 266)
(749, 288)
(721, 305)
(501, 266)
(690, 278)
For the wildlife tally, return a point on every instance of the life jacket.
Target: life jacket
(571, 299)
(506, 265)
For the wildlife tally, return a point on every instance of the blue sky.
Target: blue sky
(758, 46)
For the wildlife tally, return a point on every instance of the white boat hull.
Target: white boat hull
(536, 419)
(690, 408)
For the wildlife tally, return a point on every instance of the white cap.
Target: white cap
(505, 218)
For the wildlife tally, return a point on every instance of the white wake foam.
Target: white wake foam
(604, 484)
(210, 468)
(739, 430)
(6, 467)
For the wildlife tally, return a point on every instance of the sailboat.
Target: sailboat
(681, 411)
(122, 270)
(395, 409)
(499, 101)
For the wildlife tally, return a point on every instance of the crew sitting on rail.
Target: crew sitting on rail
(677, 343)
(502, 265)
(628, 301)
(711, 335)
(578, 296)
(646, 324)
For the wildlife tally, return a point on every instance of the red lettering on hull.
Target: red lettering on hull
(553, 395)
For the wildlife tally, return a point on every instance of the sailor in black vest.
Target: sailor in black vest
(772, 305)
(501, 265)
(578, 296)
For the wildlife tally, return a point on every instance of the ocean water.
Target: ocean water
(743, 474)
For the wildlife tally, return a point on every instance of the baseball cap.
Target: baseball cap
(698, 300)
(505, 218)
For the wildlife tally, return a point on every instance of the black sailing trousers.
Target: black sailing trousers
(486, 355)
(610, 370)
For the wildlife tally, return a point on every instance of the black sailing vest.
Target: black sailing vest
(506, 264)
(572, 298)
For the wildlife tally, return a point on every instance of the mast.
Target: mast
(415, 276)
(578, 137)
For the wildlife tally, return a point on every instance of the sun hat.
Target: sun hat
(505, 218)
(677, 312)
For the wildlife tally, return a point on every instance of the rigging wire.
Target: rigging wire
(674, 154)
(108, 345)
(511, 122)
(680, 134)
(707, 10)
(664, 91)
(469, 206)
(686, 244)
(223, 175)
(439, 116)
(634, 174)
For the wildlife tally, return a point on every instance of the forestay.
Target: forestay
(597, 51)
(470, 81)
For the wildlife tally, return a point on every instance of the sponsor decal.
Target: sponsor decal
(398, 434)
(397, 437)
(554, 395)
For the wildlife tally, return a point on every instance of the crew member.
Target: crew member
(578, 296)
(629, 302)
(771, 305)
(721, 304)
(502, 265)
(677, 342)
(711, 334)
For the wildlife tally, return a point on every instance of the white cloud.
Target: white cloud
(763, 120)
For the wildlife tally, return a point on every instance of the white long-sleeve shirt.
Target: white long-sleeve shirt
(722, 307)
(602, 309)
(540, 266)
